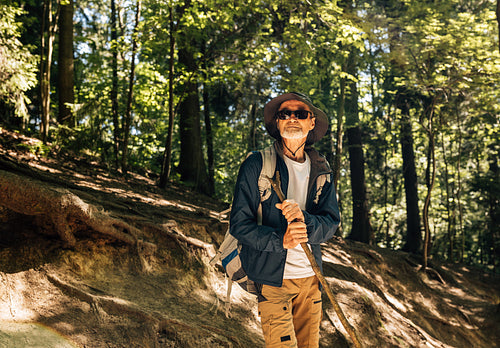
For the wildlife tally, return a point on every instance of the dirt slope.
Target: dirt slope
(132, 270)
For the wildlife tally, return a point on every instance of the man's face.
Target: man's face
(295, 128)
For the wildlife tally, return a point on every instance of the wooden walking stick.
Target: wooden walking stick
(276, 184)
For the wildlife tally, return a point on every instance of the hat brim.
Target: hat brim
(272, 107)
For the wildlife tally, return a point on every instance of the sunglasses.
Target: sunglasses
(286, 114)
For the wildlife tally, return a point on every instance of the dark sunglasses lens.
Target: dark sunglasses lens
(286, 114)
(301, 114)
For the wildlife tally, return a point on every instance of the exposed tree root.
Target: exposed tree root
(66, 211)
(446, 322)
(411, 262)
(171, 229)
(435, 274)
(370, 253)
(108, 304)
(156, 321)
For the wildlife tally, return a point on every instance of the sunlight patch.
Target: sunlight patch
(395, 302)
(14, 334)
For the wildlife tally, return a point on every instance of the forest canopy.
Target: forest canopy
(175, 90)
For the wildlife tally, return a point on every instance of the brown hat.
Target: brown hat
(273, 105)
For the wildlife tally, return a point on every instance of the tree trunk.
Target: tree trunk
(388, 126)
(430, 178)
(361, 228)
(413, 234)
(498, 20)
(449, 210)
(340, 135)
(252, 143)
(209, 137)
(65, 65)
(459, 188)
(114, 84)
(192, 164)
(128, 114)
(167, 155)
(49, 28)
(494, 210)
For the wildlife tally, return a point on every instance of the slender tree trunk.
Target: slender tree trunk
(128, 114)
(498, 20)
(49, 29)
(459, 189)
(386, 183)
(114, 84)
(209, 137)
(413, 233)
(252, 144)
(44, 118)
(430, 178)
(339, 147)
(494, 209)
(340, 134)
(209, 140)
(167, 155)
(449, 213)
(65, 65)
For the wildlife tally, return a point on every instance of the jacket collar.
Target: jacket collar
(319, 164)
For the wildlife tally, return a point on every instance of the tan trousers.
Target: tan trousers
(291, 315)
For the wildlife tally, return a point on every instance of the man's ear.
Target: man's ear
(313, 122)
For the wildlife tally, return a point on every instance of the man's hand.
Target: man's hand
(291, 210)
(296, 231)
(295, 234)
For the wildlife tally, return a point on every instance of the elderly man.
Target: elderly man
(271, 254)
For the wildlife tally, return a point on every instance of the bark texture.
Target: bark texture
(413, 233)
(66, 66)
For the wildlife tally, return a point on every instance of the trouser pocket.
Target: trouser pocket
(276, 319)
(306, 321)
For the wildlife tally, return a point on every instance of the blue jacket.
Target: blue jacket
(262, 255)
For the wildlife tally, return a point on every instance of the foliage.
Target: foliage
(17, 64)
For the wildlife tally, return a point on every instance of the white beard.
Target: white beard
(294, 133)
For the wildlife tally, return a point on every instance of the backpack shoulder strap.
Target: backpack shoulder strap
(320, 182)
(268, 167)
(268, 161)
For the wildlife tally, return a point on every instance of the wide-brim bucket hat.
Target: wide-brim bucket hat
(273, 105)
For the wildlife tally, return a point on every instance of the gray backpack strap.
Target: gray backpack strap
(268, 168)
(320, 182)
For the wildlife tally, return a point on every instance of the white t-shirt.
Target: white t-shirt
(297, 265)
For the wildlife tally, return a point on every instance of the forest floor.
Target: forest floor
(91, 259)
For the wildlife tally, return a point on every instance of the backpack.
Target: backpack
(229, 250)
